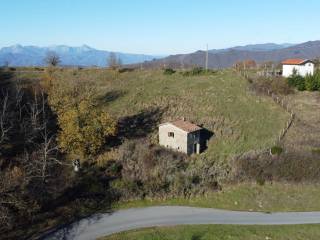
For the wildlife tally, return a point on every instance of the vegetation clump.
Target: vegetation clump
(198, 71)
(276, 150)
(83, 126)
(297, 81)
(149, 171)
(276, 85)
(309, 82)
(168, 71)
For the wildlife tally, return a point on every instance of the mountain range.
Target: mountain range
(264, 47)
(18, 55)
(222, 58)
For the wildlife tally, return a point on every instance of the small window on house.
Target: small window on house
(171, 134)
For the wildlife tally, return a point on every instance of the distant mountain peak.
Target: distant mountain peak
(84, 55)
(85, 47)
(15, 48)
(260, 47)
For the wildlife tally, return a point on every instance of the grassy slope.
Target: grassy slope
(248, 197)
(212, 232)
(221, 102)
(304, 135)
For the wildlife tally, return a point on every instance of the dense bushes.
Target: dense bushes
(297, 81)
(147, 170)
(291, 166)
(282, 86)
(152, 171)
(276, 85)
(310, 82)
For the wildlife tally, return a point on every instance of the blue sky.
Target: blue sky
(157, 26)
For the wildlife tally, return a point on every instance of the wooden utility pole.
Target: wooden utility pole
(207, 56)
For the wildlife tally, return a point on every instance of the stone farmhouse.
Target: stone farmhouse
(182, 136)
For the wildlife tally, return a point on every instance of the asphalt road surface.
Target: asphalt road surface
(106, 224)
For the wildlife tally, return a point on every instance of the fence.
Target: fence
(280, 101)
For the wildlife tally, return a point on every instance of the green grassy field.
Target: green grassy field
(247, 197)
(220, 232)
(220, 101)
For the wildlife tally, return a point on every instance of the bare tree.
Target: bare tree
(113, 61)
(4, 117)
(52, 59)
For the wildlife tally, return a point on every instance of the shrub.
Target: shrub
(168, 71)
(150, 170)
(123, 70)
(198, 71)
(297, 81)
(277, 85)
(280, 86)
(311, 83)
(316, 150)
(317, 79)
(260, 181)
(276, 150)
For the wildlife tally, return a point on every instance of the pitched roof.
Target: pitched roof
(186, 126)
(295, 61)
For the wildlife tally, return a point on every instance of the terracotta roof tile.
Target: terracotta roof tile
(186, 126)
(294, 61)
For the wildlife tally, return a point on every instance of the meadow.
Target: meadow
(221, 232)
(271, 197)
(219, 101)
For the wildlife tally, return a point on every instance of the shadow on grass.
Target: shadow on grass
(196, 236)
(137, 126)
(141, 124)
(111, 96)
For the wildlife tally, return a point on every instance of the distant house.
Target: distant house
(246, 64)
(301, 66)
(182, 136)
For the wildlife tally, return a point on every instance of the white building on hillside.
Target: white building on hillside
(301, 66)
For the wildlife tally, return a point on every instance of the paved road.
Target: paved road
(106, 224)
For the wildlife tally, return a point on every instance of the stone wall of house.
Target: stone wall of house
(178, 142)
